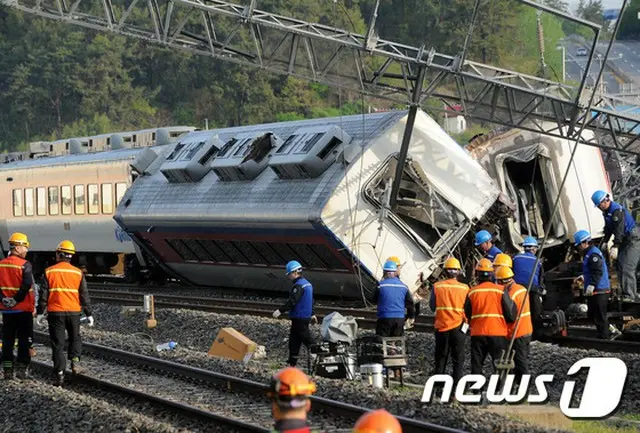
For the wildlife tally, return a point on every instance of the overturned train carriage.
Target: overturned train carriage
(230, 207)
(529, 168)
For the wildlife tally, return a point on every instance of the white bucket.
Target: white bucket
(372, 374)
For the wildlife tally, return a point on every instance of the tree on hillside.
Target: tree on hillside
(560, 5)
(591, 10)
(630, 24)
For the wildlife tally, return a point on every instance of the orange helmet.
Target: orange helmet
(504, 273)
(66, 247)
(18, 239)
(291, 387)
(452, 263)
(484, 265)
(503, 260)
(377, 421)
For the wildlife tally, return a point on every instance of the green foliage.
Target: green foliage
(463, 138)
(630, 24)
(59, 80)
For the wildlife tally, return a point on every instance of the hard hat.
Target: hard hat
(530, 241)
(395, 259)
(452, 263)
(377, 421)
(293, 266)
(503, 260)
(484, 265)
(581, 236)
(19, 239)
(504, 273)
(66, 247)
(291, 387)
(482, 236)
(390, 265)
(598, 196)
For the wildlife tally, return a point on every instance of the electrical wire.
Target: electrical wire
(508, 352)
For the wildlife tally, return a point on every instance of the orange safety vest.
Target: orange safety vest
(450, 297)
(525, 327)
(487, 319)
(10, 282)
(64, 288)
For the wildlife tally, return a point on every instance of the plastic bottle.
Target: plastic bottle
(166, 346)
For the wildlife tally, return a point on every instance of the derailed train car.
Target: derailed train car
(230, 207)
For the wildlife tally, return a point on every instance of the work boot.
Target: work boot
(614, 332)
(75, 366)
(21, 371)
(8, 373)
(59, 378)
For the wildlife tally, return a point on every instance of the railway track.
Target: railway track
(578, 336)
(226, 399)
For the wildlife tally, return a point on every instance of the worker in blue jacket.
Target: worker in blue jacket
(619, 223)
(595, 276)
(523, 264)
(484, 241)
(392, 297)
(300, 307)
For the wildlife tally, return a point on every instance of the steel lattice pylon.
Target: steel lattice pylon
(321, 53)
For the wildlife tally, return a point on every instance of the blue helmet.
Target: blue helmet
(482, 236)
(530, 241)
(581, 236)
(597, 197)
(390, 266)
(293, 266)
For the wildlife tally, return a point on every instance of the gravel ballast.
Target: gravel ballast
(195, 331)
(37, 406)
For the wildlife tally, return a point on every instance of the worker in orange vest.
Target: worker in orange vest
(377, 421)
(447, 300)
(489, 309)
(289, 392)
(18, 301)
(64, 295)
(519, 295)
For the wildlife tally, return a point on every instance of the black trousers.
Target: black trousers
(521, 359)
(390, 327)
(627, 265)
(536, 307)
(481, 346)
(20, 326)
(452, 343)
(299, 334)
(597, 312)
(58, 324)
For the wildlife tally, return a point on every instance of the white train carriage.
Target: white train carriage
(74, 197)
(230, 207)
(529, 168)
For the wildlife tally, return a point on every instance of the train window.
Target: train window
(41, 200)
(78, 192)
(53, 200)
(17, 202)
(121, 189)
(107, 198)
(93, 198)
(28, 201)
(65, 195)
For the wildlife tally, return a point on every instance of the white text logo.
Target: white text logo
(600, 397)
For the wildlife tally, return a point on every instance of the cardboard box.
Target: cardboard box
(231, 344)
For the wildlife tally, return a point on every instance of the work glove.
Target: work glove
(589, 290)
(613, 253)
(90, 321)
(579, 279)
(314, 320)
(408, 324)
(276, 314)
(9, 302)
(40, 320)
